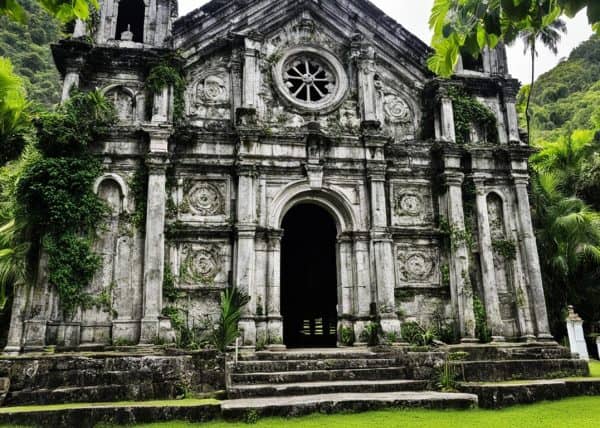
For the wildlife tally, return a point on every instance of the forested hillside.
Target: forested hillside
(28, 48)
(568, 96)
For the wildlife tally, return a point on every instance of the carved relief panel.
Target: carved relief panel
(412, 204)
(209, 95)
(394, 111)
(418, 264)
(201, 264)
(203, 199)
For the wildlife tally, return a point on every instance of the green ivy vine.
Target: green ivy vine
(468, 111)
(56, 199)
(138, 186)
(505, 248)
(167, 75)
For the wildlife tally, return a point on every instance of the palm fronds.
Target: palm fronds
(226, 330)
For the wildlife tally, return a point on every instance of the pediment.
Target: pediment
(338, 23)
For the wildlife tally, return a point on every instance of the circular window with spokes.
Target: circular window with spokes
(311, 79)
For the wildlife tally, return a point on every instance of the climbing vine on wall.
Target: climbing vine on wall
(167, 75)
(56, 197)
(467, 112)
(138, 186)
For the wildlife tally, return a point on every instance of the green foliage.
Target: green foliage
(370, 333)
(55, 196)
(226, 331)
(170, 292)
(347, 336)
(417, 335)
(27, 45)
(471, 25)
(63, 10)
(165, 75)
(447, 377)
(139, 189)
(468, 112)
(506, 248)
(71, 267)
(14, 119)
(482, 331)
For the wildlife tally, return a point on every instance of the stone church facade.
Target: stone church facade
(316, 167)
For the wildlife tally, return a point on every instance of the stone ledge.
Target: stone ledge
(88, 415)
(503, 394)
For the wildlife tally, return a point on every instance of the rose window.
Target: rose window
(309, 80)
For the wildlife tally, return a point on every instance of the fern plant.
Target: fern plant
(227, 329)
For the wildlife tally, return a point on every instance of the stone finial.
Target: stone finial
(127, 35)
(573, 315)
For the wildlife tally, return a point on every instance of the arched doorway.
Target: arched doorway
(309, 277)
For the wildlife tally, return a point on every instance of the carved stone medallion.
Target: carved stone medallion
(212, 89)
(417, 265)
(205, 199)
(200, 265)
(409, 204)
(396, 109)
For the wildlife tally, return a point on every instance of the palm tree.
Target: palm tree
(14, 119)
(568, 236)
(548, 30)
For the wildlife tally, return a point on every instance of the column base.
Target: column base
(498, 339)
(545, 337)
(469, 340)
(390, 324)
(247, 327)
(275, 332)
(149, 331)
(34, 335)
(12, 350)
(276, 348)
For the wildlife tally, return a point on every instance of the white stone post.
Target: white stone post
(576, 336)
(513, 122)
(461, 289)
(160, 109)
(486, 254)
(531, 256)
(246, 234)
(154, 250)
(273, 305)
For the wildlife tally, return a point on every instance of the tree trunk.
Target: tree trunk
(527, 116)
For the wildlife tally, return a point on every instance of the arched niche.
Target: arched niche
(130, 20)
(112, 189)
(124, 101)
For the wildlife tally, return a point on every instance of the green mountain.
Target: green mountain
(568, 96)
(28, 48)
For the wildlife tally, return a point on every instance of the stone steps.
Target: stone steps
(318, 364)
(318, 375)
(314, 388)
(246, 409)
(310, 354)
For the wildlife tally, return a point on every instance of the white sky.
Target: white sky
(414, 15)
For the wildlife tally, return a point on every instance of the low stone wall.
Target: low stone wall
(47, 379)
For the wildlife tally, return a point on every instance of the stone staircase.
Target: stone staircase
(305, 381)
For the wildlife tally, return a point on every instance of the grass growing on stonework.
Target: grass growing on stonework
(581, 412)
(594, 368)
(188, 402)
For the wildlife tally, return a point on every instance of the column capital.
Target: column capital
(452, 178)
(274, 236)
(157, 163)
(246, 170)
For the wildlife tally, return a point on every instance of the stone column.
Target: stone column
(154, 251)
(160, 108)
(531, 257)
(17, 317)
(486, 255)
(461, 289)
(251, 80)
(71, 81)
(246, 234)
(448, 132)
(273, 305)
(366, 84)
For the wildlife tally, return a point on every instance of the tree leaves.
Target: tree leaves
(63, 10)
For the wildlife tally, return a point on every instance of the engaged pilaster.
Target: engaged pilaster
(521, 180)
(154, 252)
(461, 289)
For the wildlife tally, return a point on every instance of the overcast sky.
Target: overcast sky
(414, 15)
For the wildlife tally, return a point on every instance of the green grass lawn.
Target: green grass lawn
(581, 412)
(594, 368)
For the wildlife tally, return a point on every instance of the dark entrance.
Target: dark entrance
(309, 278)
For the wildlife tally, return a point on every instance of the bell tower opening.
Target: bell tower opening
(309, 278)
(130, 20)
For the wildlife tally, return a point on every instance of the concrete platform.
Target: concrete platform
(242, 409)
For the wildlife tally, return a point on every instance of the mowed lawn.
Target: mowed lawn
(581, 412)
